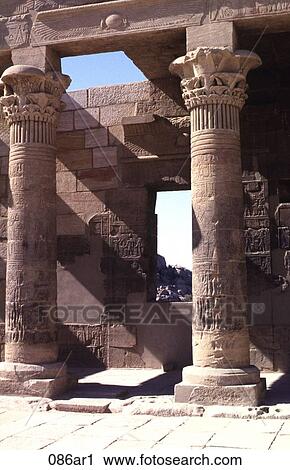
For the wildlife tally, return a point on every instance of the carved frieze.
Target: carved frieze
(257, 223)
(257, 240)
(225, 10)
(101, 19)
(15, 31)
(118, 237)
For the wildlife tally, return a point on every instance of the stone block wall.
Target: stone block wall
(108, 173)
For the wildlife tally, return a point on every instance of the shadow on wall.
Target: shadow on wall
(107, 246)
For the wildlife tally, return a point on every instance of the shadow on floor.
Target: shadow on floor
(278, 392)
(161, 384)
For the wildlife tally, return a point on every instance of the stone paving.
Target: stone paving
(57, 431)
(30, 425)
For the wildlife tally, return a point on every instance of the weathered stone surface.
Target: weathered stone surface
(86, 118)
(3, 228)
(220, 338)
(112, 115)
(120, 336)
(66, 182)
(96, 138)
(66, 121)
(31, 106)
(3, 186)
(248, 395)
(129, 93)
(87, 203)
(70, 140)
(70, 225)
(103, 157)
(75, 100)
(82, 405)
(4, 165)
(73, 160)
(97, 179)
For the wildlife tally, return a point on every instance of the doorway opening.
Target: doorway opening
(174, 246)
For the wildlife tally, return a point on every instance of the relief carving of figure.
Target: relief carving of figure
(127, 246)
(287, 263)
(255, 204)
(257, 240)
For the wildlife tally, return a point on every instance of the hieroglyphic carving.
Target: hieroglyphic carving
(224, 10)
(122, 260)
(255, 199)
(15, 30)
(287, 263)
(257, 223)
(127, 246)
(257, 240)
(284, 238)
(118, 237)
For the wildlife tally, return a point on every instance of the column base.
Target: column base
(208, 386)
(45, 380)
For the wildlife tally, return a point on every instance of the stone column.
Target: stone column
(214, 90)
(31, 105)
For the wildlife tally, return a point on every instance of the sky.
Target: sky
(173, 208)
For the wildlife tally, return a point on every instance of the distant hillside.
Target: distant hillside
(173, 282)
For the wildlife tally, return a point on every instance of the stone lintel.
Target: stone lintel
(212, 35)
(114, 19)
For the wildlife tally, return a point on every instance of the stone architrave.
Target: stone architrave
(31, 105)
(214, 89)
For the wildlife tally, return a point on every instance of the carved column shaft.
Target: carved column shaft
(31, 105)
(214, 90)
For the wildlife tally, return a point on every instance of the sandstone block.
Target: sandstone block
(264, 360)
(248, 395)
(133, 360)
(70, 225)
(97, 179)
(3, 186)
(4, 143)
(80, 203)
(87, 118)
(74, 160)
(103, 157)
(2, 332)
(4, 165)
(112, 115)
(3, 227)
(96, 138)
(120, 336)
(3, 207)
(65, 182)
(116, 135)
(214, 34)
(75, 100)
(116, 357)
(128, 93)
(70, 140)
(66, 121)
